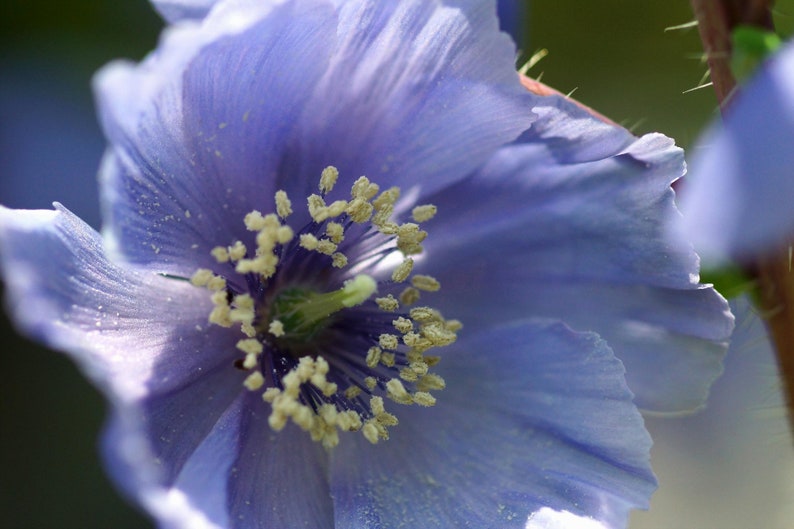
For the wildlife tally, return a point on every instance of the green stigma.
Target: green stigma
(303, 312)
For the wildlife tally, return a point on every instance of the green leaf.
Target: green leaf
(751, 45)
(730, 281)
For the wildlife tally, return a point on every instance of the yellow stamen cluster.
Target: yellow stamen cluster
(287, 405)
(401, 352)
(375, 428)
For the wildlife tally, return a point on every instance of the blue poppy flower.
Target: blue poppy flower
(739, 200)
(176, 10)
(280, 338)
(511, 12)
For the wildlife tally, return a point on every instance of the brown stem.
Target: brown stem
(776, 300)
(714, 25)
(773, 271)
(716, 20)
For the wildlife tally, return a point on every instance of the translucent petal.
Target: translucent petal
(193, 496)
(133, 332)
(241, 475)
(198, 130)
(279, 479)
(741, 191)
(418, 93)
(260, 97)
(141, 337)
(553, 232)
(533, 415)
(175, 10)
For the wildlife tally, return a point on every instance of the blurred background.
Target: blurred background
(731, 466)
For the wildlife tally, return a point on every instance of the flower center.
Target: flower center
(328, 332)
(303, 313)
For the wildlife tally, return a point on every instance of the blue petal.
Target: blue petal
(240, 475)
(578, 235)
(279, 479)
(132, 332)
(711, 471)
(175, 10)
(533, 415)
(573, 135)
(197, 130)
(179, 420)
(414, 93)
(739, 200)
(195, 497)
(140, 337)
(512, 17)
(550, 519)
(418, 93)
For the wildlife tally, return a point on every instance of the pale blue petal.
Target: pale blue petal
(142, 338)
(739, 200)
(175, 10)
(533, 415)
(198, 129)
(572, 135)
(550, 519)
(279, 479)
(418, 93)
(241, 475)
(550, 231)
(194, 497)
(179, 420)
(132, 332)
(512, 17)
(413, 93)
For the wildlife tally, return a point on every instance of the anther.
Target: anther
(423, 213)
(328, 179)
(290, 326)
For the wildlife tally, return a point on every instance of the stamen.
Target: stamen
(373, 356)
(276, 328)
(201, 277)
(328, 179)
(254, 381)
(326, 247)
(423, 213)
(338, 260)
(402, 271)
(336, 208)
(291, 328)
(397, 392)
(220, 254)
(424, 399)
(237, 251)
(364, 189)
(387, 304)
(335, 232)
(250, 346)
(309, 241)
(317, 208)
(409, 296)
(254, 221)
(359, 210)
(283, 204)
(388, 197)
(403, 325)
(388, 341)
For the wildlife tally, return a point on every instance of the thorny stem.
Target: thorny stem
(772, 271)
(716, 20)
(776, 299)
